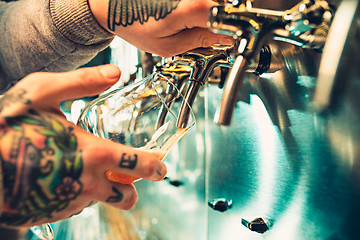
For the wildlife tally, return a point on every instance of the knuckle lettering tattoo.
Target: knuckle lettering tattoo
(115, 198)
(128, 162)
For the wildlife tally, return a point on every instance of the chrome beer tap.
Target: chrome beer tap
(177, 74)
(195, 66)
(304, 25)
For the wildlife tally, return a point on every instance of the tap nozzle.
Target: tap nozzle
(250, 29)
(202, 61)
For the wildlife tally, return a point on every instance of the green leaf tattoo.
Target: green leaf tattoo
(42, 170)
(126, 12)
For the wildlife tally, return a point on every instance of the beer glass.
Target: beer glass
(143, 114)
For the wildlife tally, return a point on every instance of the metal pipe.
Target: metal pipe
(232, 87)
(202, 61)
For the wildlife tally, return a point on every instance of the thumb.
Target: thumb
(85, 82)
(58, 87)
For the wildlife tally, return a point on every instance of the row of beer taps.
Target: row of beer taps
(305, 25)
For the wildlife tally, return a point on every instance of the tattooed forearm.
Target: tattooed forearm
(126, 12)
(41, 170)
(128, 162)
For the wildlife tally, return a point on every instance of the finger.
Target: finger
(58, 87)
(118, 195)
(88, 81)
(188, 14)
(102, 155)
(190, 39)
(192, 13)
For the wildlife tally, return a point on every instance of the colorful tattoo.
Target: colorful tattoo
(126, 12)
(13, 96)
(128, 162)
(41, 170)
(117, 198)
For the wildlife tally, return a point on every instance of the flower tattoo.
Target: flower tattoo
(69, 189)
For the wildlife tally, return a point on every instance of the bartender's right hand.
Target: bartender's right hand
(54, 169)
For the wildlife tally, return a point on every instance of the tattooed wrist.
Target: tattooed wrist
(13, 96)
(41, 169)
(126, 12)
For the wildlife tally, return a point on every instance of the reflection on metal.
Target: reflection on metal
(336, 54)
(264, 60)
(220, 204)
(258, 225)
(176, 183)
(253, 27)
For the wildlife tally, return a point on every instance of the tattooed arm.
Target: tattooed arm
(58, 35)
(164, 27)
(53, 169)
(47, 35)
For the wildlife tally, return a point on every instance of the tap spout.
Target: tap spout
(202, 62)
(232, 87)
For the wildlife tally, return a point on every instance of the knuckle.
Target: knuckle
(203, 41)
(165, 52)
(90, 189)
(200, 40)
(199, 8)
(97, 156)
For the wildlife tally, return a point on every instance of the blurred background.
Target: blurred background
(283, 163)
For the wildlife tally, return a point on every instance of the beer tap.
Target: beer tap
(177, 74)
(199, 62)
(253, 27)
(190, 69)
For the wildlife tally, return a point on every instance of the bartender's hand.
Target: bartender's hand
(52, 168)
(163, 27)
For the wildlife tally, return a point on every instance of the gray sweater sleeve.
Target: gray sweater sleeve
(47, 35)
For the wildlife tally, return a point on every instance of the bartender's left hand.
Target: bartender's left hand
(52, 168)
(163, 27)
